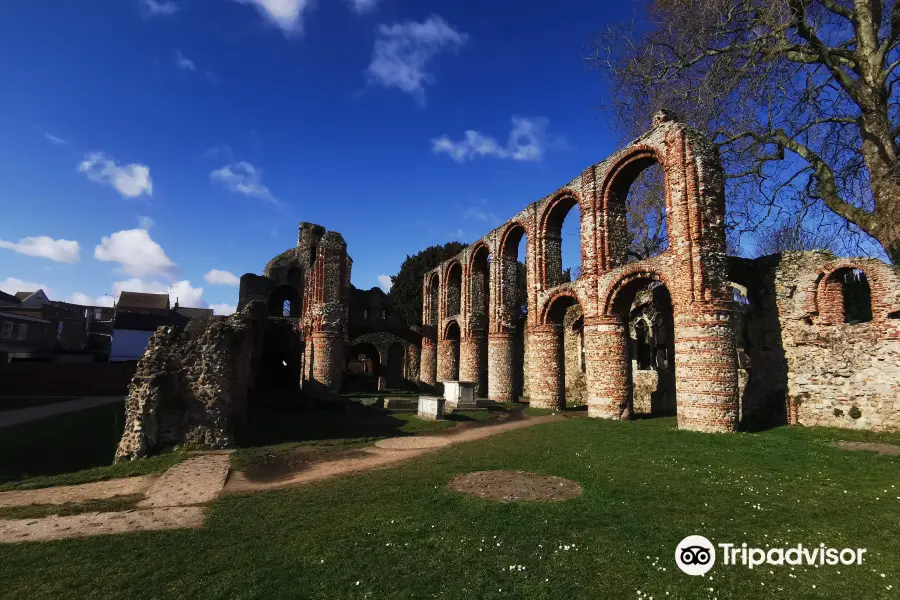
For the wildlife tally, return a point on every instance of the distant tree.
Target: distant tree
(406, 286)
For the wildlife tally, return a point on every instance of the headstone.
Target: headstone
(431, 408)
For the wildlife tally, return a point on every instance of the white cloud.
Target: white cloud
(85, 300)
(217, 277)
(362, 7)
(184, 63)
(402, 52)
(385, 282)
(137, 253)
(45, 247)
(129, 180)
(11, 285)
(145, 222)
(56, 141)
(181, 291)
(286, 14)
(479, 214)
(223, 309)
(242, 178)
(528, 141)
(160, 8)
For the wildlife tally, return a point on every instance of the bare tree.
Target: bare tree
(801, 97)
(787, 237)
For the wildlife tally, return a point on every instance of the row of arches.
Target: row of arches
(489, 295)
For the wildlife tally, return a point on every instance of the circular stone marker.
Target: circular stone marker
(411, 443)
(515, 486)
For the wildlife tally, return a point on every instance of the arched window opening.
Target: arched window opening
(433, 292)
(363, 369)
(646, 214)
(636, 212)
(857, 297)
(286, 309)
(454, 289)
(562, 242)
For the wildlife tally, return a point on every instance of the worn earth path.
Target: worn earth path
(385, 453)
(178, 498)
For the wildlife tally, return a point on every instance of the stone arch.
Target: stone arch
(611, 297)
(393, 357)
(453, 288)
(550, 227)
(365, 366)
(449, 351)
(827, 298)
(613, 197)
(508, 272)
(432, 299)
(474, 347)
(546, 315)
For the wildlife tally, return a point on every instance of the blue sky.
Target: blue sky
(157, 144)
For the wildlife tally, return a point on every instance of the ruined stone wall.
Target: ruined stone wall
(191, 386)
(804, 367)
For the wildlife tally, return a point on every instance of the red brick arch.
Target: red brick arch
(617, 182)
(561, 197)
(446, 329)
(566, 292)
(827, 298)
(507, 231)
(638, 272)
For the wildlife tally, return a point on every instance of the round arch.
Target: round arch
(550, 225)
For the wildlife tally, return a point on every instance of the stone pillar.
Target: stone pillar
(470, 360)
(501, 381)
(446, 360)
(546, 367)
(706, 370)
(328, 359)
(428, 363)
(607, 368)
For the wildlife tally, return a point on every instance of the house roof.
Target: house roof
(23, 295)
(8, 298)
(143, 300)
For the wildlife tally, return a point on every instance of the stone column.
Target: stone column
(501, 381)
(328, 358)
(546, 367)
(705, 370)
(470, 357)
(428, 363)
(446, 360)
(607, 368)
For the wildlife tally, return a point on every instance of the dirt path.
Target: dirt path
(385, 453)
(170, 503)
(35, 413)
(99, 490)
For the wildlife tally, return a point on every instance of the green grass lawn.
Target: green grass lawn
(401, 533)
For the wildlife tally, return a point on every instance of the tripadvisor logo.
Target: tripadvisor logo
(696, 555)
